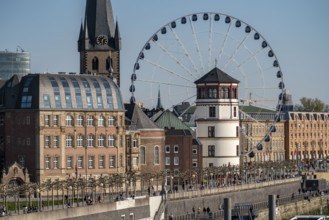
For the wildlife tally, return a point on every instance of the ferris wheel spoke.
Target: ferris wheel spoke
(197, 45)
(235, 52)
(175, 59)
(209, 43)
(166, 83)
(167, 70)
(248, 59)
(185, 51)
(224, 42)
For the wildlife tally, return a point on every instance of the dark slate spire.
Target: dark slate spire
(99, 21)
(117, 37)
(159, 105)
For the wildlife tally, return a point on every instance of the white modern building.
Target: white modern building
(217, 118)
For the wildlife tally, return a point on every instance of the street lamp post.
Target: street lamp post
(171, 184)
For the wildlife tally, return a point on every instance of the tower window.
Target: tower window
(234, 112)
(109, 66)
(227, 95)
(211, 150)
(211, 131)
(212, 112)
(95, 63)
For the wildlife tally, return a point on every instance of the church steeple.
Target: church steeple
(117, 37)
(99, 40)
(159, 105)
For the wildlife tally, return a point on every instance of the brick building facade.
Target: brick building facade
(307, 137)
(63, 125)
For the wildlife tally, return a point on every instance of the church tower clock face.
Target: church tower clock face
(101, 40)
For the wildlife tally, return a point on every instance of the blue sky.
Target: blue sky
(297, 30)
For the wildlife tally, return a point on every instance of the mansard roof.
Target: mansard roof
(66, 92)
(216, 76)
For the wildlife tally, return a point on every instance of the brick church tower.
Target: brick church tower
(99, 41)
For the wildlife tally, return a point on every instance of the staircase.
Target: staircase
(161, 210)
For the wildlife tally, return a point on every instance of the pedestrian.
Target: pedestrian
(171, 217)
(199, 210)
(193, 210)
(204, 210)
(208, 210)
(299, 191)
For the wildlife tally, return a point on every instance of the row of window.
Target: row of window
(265, 156)
(80, 121)
(260, 130)
(295, 125)
(274, 143)
(211, 131)
(308, 144)
(168, 149)
(301, 156)
(81, 140)
(299, 135)
(212, 151)
(176, 161)
(213, 93)
(53, 162)
(309, 117)
(212, 112)
(156, 155)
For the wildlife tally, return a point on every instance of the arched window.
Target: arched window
(156, 155)
(226, 93)
(222, 93)
(69, 120)
(110, 141)
(233, 94)
(210, 96)
(109, 64)
(111, 121)
(95, 63)
(142, 155)
(90, 140)
(101, 121)
(101, 140)
(90, 120)
(80, 120)
(80, 140)
(214, 91)
(69, 140)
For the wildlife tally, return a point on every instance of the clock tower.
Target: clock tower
(99, 41)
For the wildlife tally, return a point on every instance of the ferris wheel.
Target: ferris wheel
(183, 50)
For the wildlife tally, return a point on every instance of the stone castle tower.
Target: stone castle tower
(217, 118)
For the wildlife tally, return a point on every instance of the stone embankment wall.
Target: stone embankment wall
(303, 207)
(139, 208)
(238, 195)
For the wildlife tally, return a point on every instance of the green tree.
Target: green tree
(311, 105)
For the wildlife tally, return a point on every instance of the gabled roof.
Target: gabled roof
(216, 76)
(138, 117)
(169, 120)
